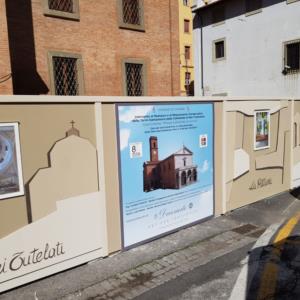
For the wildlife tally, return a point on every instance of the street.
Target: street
(207, 261)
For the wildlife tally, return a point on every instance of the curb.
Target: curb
(247, 273)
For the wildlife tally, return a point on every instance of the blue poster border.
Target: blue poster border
(123, 247)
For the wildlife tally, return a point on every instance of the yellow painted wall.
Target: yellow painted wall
(185, 39)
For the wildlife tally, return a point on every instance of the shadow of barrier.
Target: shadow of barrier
(104, 174)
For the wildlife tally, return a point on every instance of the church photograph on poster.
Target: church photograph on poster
(174, 172)
(11, 181)
(166, 167)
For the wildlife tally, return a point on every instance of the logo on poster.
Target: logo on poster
(203, 140)
(136, 150)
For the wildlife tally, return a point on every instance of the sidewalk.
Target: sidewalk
(139, 271)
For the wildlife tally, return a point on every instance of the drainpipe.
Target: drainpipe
(201, 53)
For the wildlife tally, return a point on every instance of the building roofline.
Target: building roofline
(200, 4)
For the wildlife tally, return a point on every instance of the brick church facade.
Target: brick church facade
(174, 172)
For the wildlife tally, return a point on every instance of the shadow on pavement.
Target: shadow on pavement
(296, 193)
(274, 271)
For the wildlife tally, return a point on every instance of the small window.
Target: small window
(131, 14)
(187, 78)
(68, 9)
(187, 52)
(253, 6)
(218, 15)
(134, 78)
(186, 26)
(219, 51)
(291, 57)
(66, 74)
(186, 2)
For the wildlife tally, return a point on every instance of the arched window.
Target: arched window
(183, 178)
(195, 175)
(189, 175)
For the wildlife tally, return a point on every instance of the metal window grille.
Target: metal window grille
(65, 76)
(61, 5)
(134, 79)
(186, 2)
(292, 57)
(252, 5)
(187, 78)
(131, 12)
(219, 49)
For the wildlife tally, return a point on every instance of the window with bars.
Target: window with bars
(186, 2)
(61, 5)
(66, 74)
(253, 6)
(134, 78)
(187, 80)
(131, 14)
(62, 8)
(291, 57)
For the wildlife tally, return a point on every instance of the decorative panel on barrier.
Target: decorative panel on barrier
(296, 146)
(66, 213)
(166, 167)
(257, 150)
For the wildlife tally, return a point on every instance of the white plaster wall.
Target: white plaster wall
(254, 52)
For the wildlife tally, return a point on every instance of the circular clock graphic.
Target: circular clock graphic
(6, 153)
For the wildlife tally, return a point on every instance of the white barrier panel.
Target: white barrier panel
(74, 234)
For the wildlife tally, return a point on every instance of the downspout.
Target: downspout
(201, 53)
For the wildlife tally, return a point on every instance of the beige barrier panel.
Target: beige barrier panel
(66, 158)
(257, 159)
(60, 220)
(111, 169)
(219, 137)
(296, 145)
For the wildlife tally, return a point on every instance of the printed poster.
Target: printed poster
(262, 130)
(166, 167)
(11, 182)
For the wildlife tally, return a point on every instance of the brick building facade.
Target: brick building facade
(5, 69)
(90, 47)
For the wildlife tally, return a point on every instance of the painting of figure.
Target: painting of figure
(262, 130)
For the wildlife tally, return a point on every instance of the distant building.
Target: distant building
(247, 47)
(186, 48)
(173, 172)
(92, 47)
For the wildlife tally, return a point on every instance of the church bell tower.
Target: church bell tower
(153, 148)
